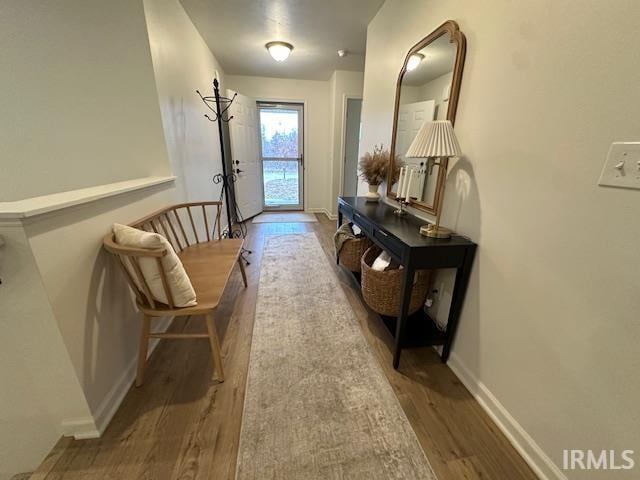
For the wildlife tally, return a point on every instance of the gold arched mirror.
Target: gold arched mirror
(428, 89)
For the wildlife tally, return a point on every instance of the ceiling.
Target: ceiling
(237, 30)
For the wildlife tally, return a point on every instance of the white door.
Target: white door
(351, 144)
(411, 117)
(245, 157)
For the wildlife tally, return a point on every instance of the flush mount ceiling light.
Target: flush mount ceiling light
(280, 51)
(342, 53)
(414, 61)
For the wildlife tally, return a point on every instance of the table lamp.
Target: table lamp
(435, 140)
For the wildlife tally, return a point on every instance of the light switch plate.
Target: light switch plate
(622, 167)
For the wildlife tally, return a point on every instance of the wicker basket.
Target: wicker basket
(382, 291)
(352, 251)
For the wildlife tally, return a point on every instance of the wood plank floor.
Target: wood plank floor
(178, 425)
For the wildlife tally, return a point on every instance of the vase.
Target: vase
(372, 195)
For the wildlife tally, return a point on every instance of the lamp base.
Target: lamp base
(431, 231)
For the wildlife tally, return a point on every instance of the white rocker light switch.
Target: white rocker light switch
(622, 167)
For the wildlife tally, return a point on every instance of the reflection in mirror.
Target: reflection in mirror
(424, 96)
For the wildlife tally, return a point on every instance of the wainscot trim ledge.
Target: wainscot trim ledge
(30, 207)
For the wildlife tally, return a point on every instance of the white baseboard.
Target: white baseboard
(94, 427)
(526, 446)
(80, 428)
(328, 214)
(316, 210)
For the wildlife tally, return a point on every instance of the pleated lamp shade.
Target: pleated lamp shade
(435, 139)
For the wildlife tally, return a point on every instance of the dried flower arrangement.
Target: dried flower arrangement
(374, 166)
(397, 165)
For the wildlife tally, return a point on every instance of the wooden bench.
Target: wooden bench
(207, 258)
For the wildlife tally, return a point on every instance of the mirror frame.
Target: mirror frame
(450, 27)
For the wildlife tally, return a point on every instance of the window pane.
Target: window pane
(279, 131)
(280, 182)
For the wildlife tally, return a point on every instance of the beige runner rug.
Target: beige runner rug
(317, 404)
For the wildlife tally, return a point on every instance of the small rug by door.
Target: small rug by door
(285, 218)
(317, 403)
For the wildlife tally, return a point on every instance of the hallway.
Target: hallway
(178, 425)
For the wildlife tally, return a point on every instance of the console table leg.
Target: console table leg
(407, 288)
(459, 291)
(339, 224)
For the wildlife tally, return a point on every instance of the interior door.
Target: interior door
(282, 155)
(351, 145)
(411, 117)
(245, 157)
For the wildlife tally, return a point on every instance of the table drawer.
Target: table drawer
(362, 222)
(346, 210)
(390, 243)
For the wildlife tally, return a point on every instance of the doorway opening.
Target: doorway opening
(282, 155)
(351, 144)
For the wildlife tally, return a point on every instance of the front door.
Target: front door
(282, 155)
(245, 157)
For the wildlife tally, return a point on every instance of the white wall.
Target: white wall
(81, 109)
(550, 323)
(39, 385)
(342, 85)
(434, 90)
(87, 292)
(76, 83)
(317, 133)
(183, 64)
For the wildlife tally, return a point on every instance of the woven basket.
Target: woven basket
(382, 291)
(352, 251)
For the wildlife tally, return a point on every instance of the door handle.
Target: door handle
(239, 171)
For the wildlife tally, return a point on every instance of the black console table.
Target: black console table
(400, 236)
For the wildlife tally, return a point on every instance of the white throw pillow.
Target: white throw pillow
(178, 281)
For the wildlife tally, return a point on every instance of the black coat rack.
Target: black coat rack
(219, 106)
